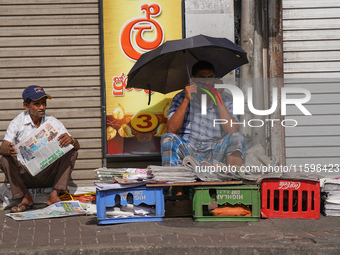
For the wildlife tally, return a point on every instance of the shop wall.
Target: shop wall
(55, 44)
(212, 18)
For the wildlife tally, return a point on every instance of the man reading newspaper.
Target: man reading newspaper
(55, 175)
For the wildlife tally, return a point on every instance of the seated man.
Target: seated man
(196, 135)
(57, 174)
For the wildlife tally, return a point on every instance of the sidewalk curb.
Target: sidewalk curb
(170, 250)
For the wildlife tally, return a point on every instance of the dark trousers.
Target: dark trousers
(56, 175)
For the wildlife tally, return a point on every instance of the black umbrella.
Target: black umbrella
(167, 68)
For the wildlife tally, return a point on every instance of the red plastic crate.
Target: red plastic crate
(290, 199)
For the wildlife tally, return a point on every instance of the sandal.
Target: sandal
(24, 206)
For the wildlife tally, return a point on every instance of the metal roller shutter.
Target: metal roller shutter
(311, 52)
(55, 44)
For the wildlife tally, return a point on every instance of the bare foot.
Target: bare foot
(54, 197)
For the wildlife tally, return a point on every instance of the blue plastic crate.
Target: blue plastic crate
(108, 199)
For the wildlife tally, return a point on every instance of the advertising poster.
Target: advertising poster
(131, 28)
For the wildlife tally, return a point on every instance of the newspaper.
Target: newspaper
(330, 184)
(60, 209)
(108, 185)
(41, 148)
(217, 171)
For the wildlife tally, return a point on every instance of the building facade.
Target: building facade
(57, 44)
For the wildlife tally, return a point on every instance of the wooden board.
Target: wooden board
(317, 120)
(314, 152)
(314, 75)
(55, 44)
(61, 92)
(328, 109)
(315, 141)
(82, 123)
(3, 2)
(194, 184)
(49, 9)
(58, 113)
(55, 50)
(313, 131)
(299, 13)
(298, 67)
(57, 40)
(75, 19)
(29, 62)
(71, 71)
(311, 24)
(55, 103)
(317, 34)
(333, 98)
(309, 4)
(51, 82)
(324, 161)
(311, 56)
(50, 30)
(323, 45)
(311, 51)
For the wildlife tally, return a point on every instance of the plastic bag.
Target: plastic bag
(232, 210)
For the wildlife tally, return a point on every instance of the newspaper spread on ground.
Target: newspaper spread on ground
(41, 148)
(60, 209)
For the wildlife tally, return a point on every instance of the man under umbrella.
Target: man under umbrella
(195, 135)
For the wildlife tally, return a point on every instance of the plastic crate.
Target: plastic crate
(290, 199)
(205, 196)
(111, 199)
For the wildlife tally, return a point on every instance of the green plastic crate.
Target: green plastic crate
(245, 194)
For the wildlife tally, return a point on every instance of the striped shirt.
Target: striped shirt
(198, 129)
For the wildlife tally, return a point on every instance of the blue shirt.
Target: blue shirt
(197, 129)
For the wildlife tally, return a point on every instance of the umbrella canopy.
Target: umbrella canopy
(167, 68)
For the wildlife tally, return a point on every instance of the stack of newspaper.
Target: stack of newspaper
(172, 173)
(114, 174)
(109, 174)
(331, 186)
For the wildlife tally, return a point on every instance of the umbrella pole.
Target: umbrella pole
(149, 88)
(186, 64)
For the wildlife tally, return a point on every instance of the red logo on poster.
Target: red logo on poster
(134, 44)
(119, 85)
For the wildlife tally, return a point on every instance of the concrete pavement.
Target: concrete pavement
(82, 235)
